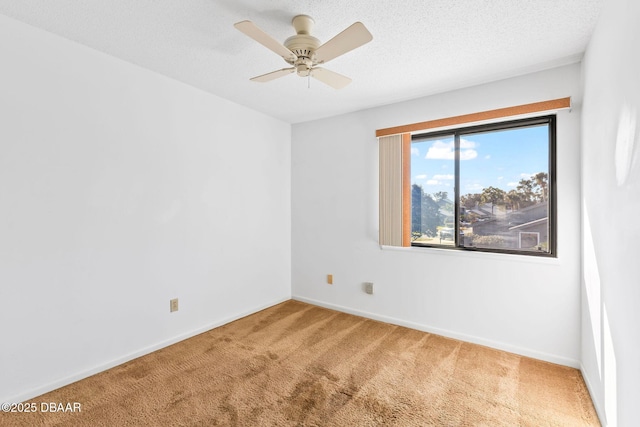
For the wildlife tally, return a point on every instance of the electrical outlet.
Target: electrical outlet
(330, 279)
(173, 305)
(368, 288)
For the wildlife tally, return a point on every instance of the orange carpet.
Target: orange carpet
(296, 364)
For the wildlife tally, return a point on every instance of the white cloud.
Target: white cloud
(446, 177)
(512, 184)
(415, 151)
(487, 157)
(421, 176)
(441, 150)
(500, 178)
(433, 182)
(465, 143)
(526, 175)
(468, 154)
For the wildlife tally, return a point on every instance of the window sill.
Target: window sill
(471, 254)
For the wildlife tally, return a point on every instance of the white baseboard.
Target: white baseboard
(35, 392)
(446, 333)
(599, 409)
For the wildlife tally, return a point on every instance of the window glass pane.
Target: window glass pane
(504, 187)
(432, 191)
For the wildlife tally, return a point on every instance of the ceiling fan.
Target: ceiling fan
(304, 52)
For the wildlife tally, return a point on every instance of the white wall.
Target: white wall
(611, 199)
(523, 304)
(121, 189)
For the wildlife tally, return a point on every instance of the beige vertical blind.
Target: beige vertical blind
(406, 187)
(391, 190)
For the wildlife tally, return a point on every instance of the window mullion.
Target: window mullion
(456, 192)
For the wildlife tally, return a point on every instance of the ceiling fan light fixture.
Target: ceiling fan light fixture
(303, 70)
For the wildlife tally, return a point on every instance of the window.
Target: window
(488, 188)
(482, 188)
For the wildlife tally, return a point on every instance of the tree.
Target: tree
(425, 212)
(540, 186)
(470, 201)
(440, 196)
(514, 198)
(535, 189)
(492, 195)
(442, 199)
(525, 189)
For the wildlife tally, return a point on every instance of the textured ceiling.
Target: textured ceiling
(419, 47)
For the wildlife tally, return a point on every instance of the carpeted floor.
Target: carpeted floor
(296, 364)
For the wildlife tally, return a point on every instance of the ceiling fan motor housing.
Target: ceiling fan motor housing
(304, 47)
(303, 44)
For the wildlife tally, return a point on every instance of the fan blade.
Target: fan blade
(354, 36)
(273, 75)
(252, 30)
(333, 79)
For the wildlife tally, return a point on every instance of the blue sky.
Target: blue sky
(498, 159)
